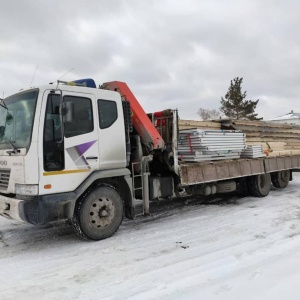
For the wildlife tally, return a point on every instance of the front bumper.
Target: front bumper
(9, 208)
(39, 210)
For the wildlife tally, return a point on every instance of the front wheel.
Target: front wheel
(98, 214)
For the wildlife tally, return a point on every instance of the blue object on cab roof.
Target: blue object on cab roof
(88, 81)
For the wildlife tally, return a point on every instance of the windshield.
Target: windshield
(16, 120)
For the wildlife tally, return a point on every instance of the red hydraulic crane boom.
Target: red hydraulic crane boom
(140, 120)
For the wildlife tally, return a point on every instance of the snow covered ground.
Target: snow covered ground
(246, 249)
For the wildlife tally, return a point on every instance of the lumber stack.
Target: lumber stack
(197, 145)
(205, 125)
(275, 138)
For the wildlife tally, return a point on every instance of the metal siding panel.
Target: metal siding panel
(210, 173)
(235, 169)
(195, 175)
(256, 167)
(267, 165)
(273, 164)
(288, 162)
(280, 163)
(222, 170)
(191, 174)
(207, 172)
(246, 167)
(295, 162)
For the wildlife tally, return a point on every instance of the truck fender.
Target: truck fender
(119, 178)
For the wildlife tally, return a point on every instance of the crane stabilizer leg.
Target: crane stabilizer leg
(141, 122)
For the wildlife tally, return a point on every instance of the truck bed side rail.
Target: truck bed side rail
(196, 173)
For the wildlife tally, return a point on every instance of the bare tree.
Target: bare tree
(208, 114)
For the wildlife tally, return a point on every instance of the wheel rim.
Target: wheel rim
(102, 212)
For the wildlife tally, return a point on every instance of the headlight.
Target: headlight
(27, 189)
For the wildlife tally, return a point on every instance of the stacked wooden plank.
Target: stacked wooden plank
(275, 138)
(202, 145)
(206, 125)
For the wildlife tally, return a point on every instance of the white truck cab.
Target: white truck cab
(60, 143)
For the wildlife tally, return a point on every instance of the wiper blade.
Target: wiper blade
(15, 149)
(12, 145)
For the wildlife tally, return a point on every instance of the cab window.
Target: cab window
(108, 113)
(83, 117)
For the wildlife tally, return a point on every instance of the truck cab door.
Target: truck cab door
(69, 148)
(80, 134)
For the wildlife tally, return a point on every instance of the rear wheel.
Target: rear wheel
(243, 187)
(280, 179)
(260, 185)
(99, 214)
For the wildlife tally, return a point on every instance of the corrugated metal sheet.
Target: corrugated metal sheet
(195, 145)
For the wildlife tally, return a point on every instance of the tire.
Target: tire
(260, 185)
(98, 214)
(281, 179)
(243, 187)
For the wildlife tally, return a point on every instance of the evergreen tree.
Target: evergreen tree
(234, 105)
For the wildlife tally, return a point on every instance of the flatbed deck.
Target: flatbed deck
(211, 171)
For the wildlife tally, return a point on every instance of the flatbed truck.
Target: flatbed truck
(74, 151)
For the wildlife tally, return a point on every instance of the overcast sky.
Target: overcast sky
(172, 54)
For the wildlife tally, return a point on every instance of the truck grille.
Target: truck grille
(4, 179)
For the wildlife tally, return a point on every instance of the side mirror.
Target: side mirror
(68, 111)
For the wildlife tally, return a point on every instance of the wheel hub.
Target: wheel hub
(102, 212)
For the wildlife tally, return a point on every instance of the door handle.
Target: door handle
(92, 157)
